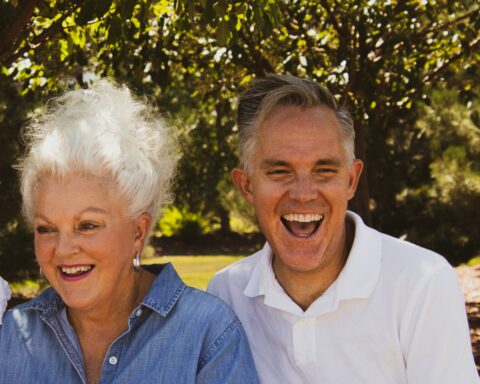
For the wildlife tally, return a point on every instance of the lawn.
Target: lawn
(195, 271)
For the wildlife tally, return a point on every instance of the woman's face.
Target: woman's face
(84, 241)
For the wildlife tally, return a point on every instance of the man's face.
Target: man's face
(299, 183)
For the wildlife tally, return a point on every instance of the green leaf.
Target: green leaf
(222, 33)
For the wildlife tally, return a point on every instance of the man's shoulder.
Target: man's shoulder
(407, 252)
(240, 269)
(413, 262)
(235, 276)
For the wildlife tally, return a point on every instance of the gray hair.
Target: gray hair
(265, 94)
(101, 131)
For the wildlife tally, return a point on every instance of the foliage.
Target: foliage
(16, 251)
(192, 58)
(182, 223)
(450, 201)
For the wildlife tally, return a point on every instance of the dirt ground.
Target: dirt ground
(470, 281)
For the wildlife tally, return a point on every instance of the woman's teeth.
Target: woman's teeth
(76, 270)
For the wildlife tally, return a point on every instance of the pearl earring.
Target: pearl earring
(136, 262)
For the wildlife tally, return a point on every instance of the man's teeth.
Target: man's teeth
(303, 218)
(76, 270)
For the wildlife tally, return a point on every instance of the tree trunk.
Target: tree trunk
(224, 221)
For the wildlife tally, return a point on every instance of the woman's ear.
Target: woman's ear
(142, 227)
(242, 181)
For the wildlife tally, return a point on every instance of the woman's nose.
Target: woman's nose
(66, 244)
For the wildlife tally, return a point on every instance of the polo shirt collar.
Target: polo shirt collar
(357, 279)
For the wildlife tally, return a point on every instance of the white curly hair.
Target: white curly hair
(101, 131)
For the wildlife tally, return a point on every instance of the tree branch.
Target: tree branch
(449, 23)
(8, 43)
(437, 72)
(40, 39)
(261, 64)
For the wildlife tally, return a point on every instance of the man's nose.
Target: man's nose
(303, 189)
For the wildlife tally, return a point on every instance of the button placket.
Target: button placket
(304, 341)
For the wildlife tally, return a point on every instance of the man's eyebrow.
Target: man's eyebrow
(330, 161)
(274, 163)
(321, 162)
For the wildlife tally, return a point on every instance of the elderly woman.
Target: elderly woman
(96, 173)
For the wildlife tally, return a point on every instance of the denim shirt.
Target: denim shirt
(176, 335)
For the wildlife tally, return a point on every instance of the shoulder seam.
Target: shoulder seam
(234, 325)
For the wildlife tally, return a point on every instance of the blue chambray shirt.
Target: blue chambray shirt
(176, 335)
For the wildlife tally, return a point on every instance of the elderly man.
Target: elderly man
(328, 299)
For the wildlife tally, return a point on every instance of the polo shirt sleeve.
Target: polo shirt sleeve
(434, 333)
(229, 359)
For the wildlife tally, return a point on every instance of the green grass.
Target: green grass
(195, 271)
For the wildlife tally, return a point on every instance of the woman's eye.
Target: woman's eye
(87, 226)
(41, 229)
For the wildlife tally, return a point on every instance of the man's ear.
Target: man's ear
(242, 181)
(354, 172)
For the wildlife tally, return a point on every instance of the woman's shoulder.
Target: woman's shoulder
(206, 305)
(24, 316)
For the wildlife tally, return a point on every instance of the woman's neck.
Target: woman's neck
(113, 315)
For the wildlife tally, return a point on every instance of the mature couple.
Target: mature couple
(327, 300)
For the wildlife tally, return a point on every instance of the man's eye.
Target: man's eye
(326, 170)
(41, 229)
(277, 172)
(87, 226)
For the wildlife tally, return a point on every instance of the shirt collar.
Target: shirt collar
(48, 302)
(166, 289)
(356, 280)
(161, 298)
(360, 274)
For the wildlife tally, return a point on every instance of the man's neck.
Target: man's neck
(306, 287)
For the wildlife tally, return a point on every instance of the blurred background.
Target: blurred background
(409, 71)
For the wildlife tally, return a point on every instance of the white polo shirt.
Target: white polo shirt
(395, 314)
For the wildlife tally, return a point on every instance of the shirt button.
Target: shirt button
(113, 360)
(138, 313)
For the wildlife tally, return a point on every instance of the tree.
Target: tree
(193, 58)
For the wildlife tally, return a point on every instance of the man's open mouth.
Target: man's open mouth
(302, 225)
